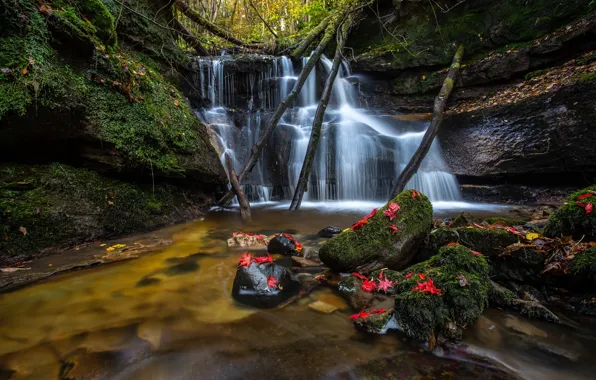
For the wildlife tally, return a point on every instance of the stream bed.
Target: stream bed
(169, 314)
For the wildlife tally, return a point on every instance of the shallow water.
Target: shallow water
(169, 315)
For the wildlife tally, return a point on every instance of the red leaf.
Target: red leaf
(358, 275)
(427, 287)
(393, 228)
(476, 253)
(378, 311)
(372, 213)
(289, 236)
(385, 284)
(421, 275)
(389, 214)
(452, 244)
(249, 234)
(234, 234)
(245, 260)
(584, 196)
(363, 314)
(263, 259)
(580, 204)
(298, 246)
(359, 224)
(368, 285)
(393, 207)
(409, 275)
(271, 282)
(478, 225)
(589, 208)
(415, 193)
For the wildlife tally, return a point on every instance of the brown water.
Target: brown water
(169, 315)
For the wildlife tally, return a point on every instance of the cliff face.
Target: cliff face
(89, 92)
(522, 110)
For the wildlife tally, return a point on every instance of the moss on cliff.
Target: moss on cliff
(375, 241)
(573, 220)
(58, 205)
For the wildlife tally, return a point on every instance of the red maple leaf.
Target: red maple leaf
(363, 314)
(359, 224)
(372, 213)
(368, 285)
(245, 260)
(249, 234)
(385, 284)
(261, 237)
(271, 282)
(476, 253)
(580, 204)
(427, 287)
(589, 208)
(289, 236)
(584, 196)
(378, 311)
(393, 229)
(409, 275)
(358, 275)
(394, 207)
(452, 244)
(298, 246)
(263, 259)
(235, 234)
(513, 230)
(415, 193)
(389, 214)
(421, 275)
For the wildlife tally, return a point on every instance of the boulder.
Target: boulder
(522, 263)
(329, 232)
(264, 285)
(576, 218)
(382, 241)
(248, 240)
(283, 244)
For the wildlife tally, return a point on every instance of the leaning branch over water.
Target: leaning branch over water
(433, 129)
(244, 204)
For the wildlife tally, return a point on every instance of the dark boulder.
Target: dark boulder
(264, 285)
(329, 232)
(283, 244)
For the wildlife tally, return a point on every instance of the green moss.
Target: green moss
(572, 220)
(61, 205)
(586, 77)
(499, 296)
(375, 241)
(488, 242)
(463, 280)
(584, 264)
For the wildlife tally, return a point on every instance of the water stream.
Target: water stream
(359, 155)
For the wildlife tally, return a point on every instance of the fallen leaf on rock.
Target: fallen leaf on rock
(532, 236)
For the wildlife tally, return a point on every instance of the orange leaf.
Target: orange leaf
(45, 9)
(176, 102)
(24, 71)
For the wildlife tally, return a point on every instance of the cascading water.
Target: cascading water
(359, 153)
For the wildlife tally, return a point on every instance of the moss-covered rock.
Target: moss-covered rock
(584, 266)
(504, 298)
(521, 263)
(462, 278)
(572, 219)
(56, 205)
(488, 242)
(376, 243)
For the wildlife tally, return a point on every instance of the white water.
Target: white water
(359, 153)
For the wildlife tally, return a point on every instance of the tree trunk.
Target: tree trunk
(256, 150)
(208, 25)
(317, 123)
(190, 38)
(262, 19)
(244, 204)
(433, 129)
(299, 51)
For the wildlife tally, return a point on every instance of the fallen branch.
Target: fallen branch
(209, 26)
(242, 200)
(190, 38)
(262, 19)
(433, 129)
(256, 150)
(310, 37)
(317, 123)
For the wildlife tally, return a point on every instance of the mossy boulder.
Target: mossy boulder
(583, 266)
(572, 219)
(488, 242)
(462, 278)
(521, 263)
(377, 245)
(55, 206)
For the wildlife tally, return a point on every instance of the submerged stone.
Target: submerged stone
(264, 285)
(381, 240)
(329, 232)
(576, 218)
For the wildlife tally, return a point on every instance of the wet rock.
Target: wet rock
(283, 244)
(350, 288)
(464, 219)
(265, 285)
(523, 327)
(377, 322)
(537, 225)
(329, 232)
(573, 218)
(301, 261)
(520, 263)
(248, 240)
(499, 296)
(322, 307)
(375, 244)
(487, 332)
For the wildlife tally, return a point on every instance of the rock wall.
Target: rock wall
(520, 119)
(95, 93)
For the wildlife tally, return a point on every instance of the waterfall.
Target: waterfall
(359, 155)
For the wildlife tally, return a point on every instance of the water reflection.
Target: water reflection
(170, 315)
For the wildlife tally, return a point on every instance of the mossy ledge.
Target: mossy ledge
(376, 243)
(44, 207)
(573, 220)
